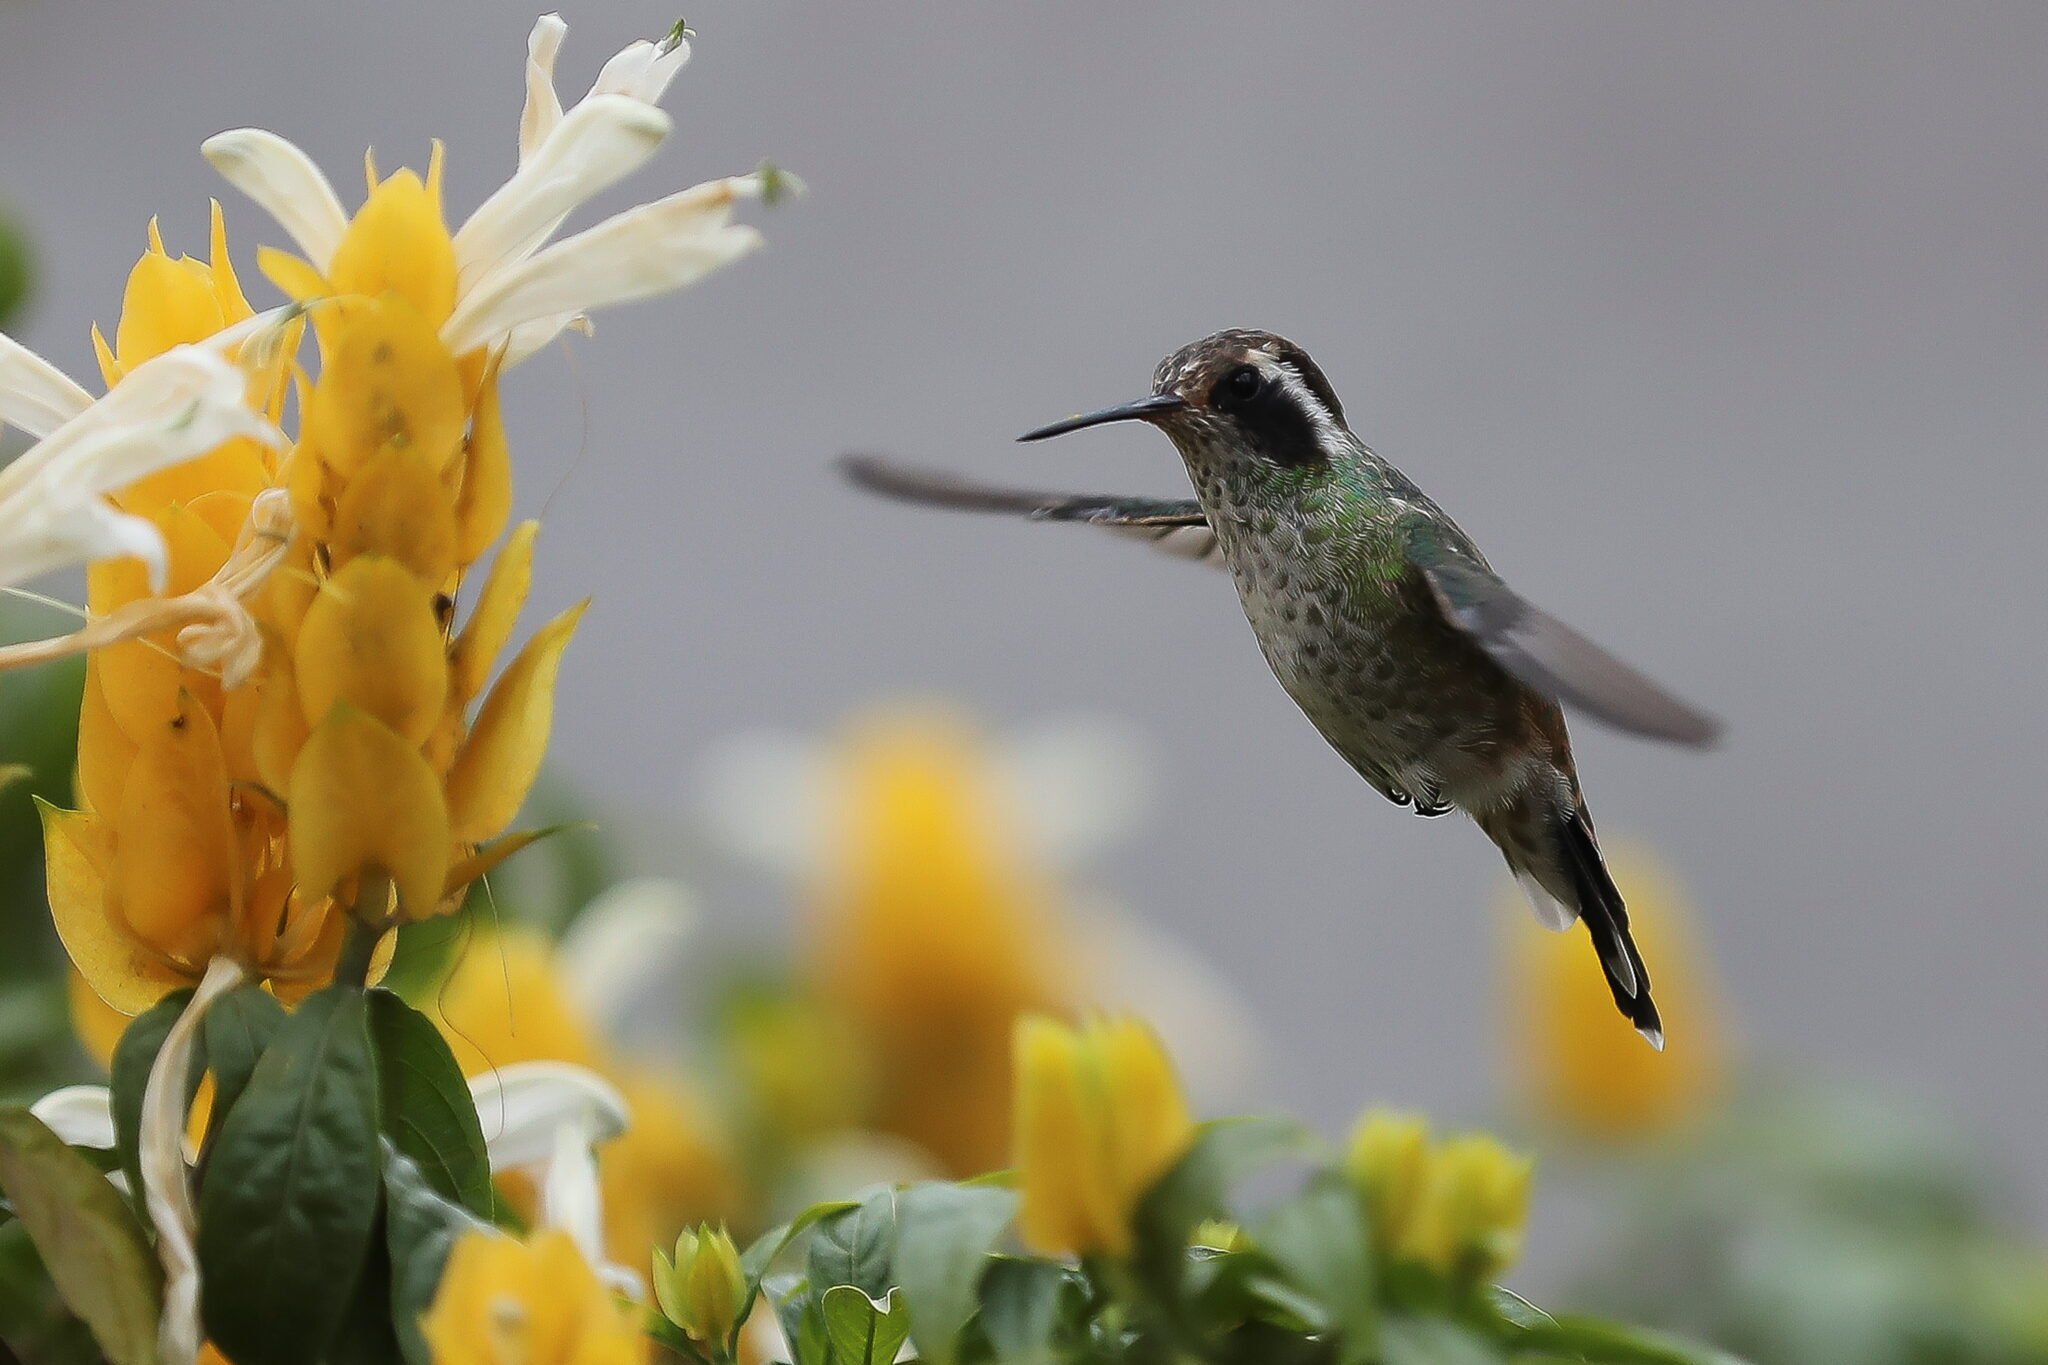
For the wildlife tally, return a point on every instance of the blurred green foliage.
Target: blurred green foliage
(39, 730)
(16, 267)
(1817, 1227)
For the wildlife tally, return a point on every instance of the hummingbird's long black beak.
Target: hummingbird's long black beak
(1144, 410)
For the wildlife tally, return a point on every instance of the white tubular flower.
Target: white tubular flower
(547, 1119)
(543, 108)
(35, 395)
(653, 249)
(80, 1115)
(54, 511)
(514, 292)
(621, 959)
(286, 184)
(167, 1192)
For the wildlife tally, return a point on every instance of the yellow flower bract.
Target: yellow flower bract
(1459, 1206)
(1100, 1117)
(249, 821)
(536, 1302)
(700, 1289)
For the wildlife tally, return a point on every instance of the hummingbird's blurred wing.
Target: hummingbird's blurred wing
(1175, 526)
(1556, 660)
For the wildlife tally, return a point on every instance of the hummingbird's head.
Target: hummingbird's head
(1232, 397)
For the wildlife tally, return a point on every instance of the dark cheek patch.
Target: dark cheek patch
(1282, 430)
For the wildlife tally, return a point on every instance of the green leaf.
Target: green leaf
(944, 1234)
(798, 1314)
(420, 1229)
(90, 1244)
(1611, 1343)
(855, 1246)
(134, 1055)
(1199, 1186)
(863, 1331)
(1406, 1340)
(33, 1321)
(424, 1103)
(1515, 1310)
(292, 1186)
(761, 1254)
(1020, 1308)
(237, 1029)
(368, 1334)
(1318, 1240)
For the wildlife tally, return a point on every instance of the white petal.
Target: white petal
(643, 70)
(596, 145)
(543, 109)
(1080, 784)
(521, 1106)
(176, 407)
(528, 339)
(116, 455)
(284, 181)
(35, 396)
(570, 1198)
(164, 386)
(644, 251)
(78, 531)
(266, 331)
(764, 796)
(622, 72)
(166, 1193)
(188, 395)
(624, 953)
(82, 1115)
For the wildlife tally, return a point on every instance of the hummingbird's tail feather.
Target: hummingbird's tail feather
(1600, 906)
(1556, 859)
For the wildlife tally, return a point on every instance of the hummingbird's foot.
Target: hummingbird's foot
(1432, 807)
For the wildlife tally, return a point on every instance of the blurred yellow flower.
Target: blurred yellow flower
(536, 1302)
(933, 932)
(1458, 1206)
(1388, 1159)
(506, 1002)
(1576, 1063)
(1470, 1220)
(1100, 1117)
(701, 1288)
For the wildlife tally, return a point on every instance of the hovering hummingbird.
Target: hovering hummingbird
(1379, 616)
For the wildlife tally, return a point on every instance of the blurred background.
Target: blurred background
(1721, 328)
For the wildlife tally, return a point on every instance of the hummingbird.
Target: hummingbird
(1426, 672)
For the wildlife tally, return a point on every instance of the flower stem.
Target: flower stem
(368, 920)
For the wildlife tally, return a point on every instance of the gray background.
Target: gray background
(1721, 327)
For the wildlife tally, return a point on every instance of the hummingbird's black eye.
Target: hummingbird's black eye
(1241, 386)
